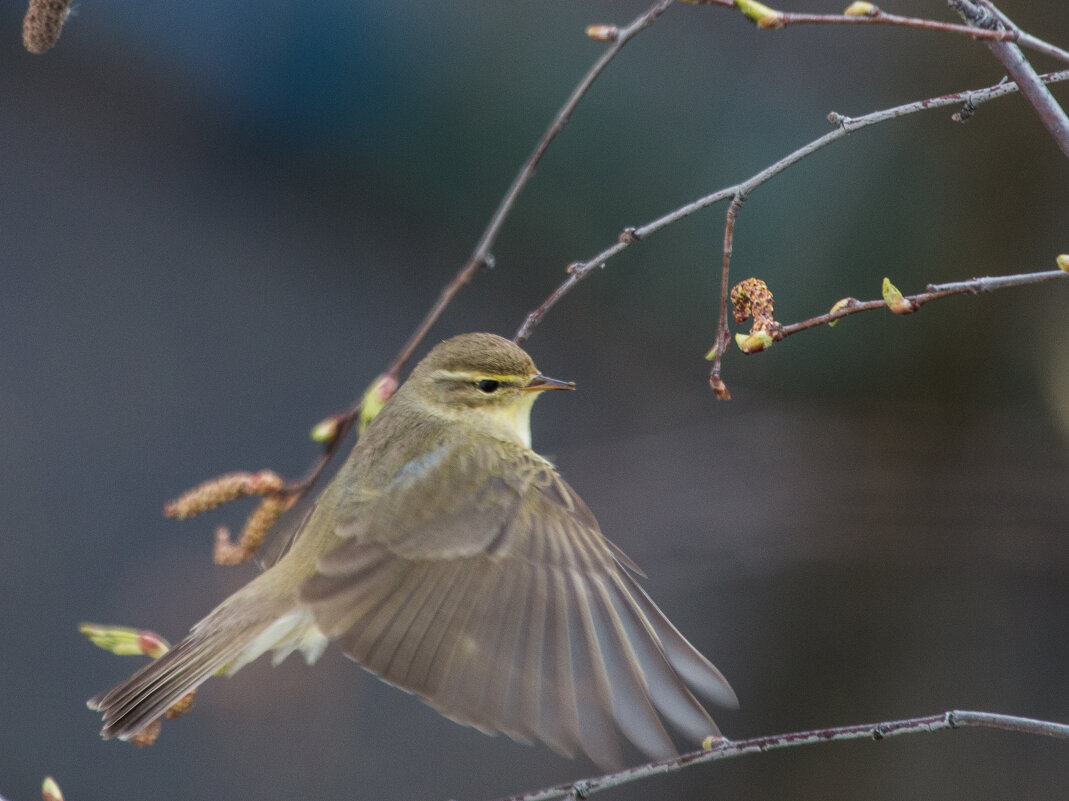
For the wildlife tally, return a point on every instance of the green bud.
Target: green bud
(50, 790)
(375, 397)
(125, 641)
(895, 300)
(760, 15)
(754, 342)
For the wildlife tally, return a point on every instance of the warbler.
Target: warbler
(452, 561)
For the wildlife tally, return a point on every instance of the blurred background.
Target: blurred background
(219, 221)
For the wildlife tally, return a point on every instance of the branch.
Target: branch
(868, 14)
(983, 15)
(727, 749)
(722, 331)
(481, 256)
(767, 331)
(577, 271)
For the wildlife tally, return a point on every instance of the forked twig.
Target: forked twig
(983, 15)
(481, 256)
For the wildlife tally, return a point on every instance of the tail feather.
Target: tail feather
(146, 696)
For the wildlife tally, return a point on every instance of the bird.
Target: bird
(450, 560)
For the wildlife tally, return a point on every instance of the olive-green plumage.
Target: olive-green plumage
(454, 562)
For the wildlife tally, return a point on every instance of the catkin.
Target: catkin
(43, 23)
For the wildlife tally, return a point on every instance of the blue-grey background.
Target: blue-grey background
(219, 220)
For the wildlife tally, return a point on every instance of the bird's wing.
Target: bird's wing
(498, 600)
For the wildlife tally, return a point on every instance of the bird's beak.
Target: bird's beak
(541, 382)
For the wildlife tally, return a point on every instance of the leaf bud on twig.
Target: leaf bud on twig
(894, 299)
(755, 342)
(50, 790)
(761, 15)
(860, 9)
(839, 305)
(375, 397)
(125, 641)
(602, 33)
(720, 389)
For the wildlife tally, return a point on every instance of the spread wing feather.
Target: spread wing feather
(499, 601)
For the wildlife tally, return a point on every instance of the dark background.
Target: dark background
(218, 221)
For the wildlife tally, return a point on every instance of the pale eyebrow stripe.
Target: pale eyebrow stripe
(455, 375)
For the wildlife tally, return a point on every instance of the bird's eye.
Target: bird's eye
(487, 385)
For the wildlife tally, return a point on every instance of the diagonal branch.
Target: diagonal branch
(983, 15)
(727, 749)
(481, 256)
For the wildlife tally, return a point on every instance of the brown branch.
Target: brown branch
(728, 749)
(983, 15)
(577, 271)
(481, 256)
(769, 18)
(910, 303)
(722, 331)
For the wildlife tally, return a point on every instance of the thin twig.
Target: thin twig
(974, 286)
(727, 749)
(882, 18)
(481, 256)
(983, 15)
(723, 333)
(577, 271)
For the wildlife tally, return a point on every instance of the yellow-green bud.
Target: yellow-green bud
(755, 342)
(50, 790)
(895, 300)
(760, 15)
(125, 641)
(602, 33)
(839, 305)
(325, 430)
(861, 10)
(375, 397)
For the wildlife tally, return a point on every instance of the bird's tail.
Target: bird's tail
(222, 642)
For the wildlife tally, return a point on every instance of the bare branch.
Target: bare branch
(481, 256)
(722, 331)
(577, 271)
(974, 286)
(727, 749)
(769, 18)
(983, 15)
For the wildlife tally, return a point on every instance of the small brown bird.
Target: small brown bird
(454, 562)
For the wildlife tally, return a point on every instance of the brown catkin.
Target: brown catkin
(43, 23)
